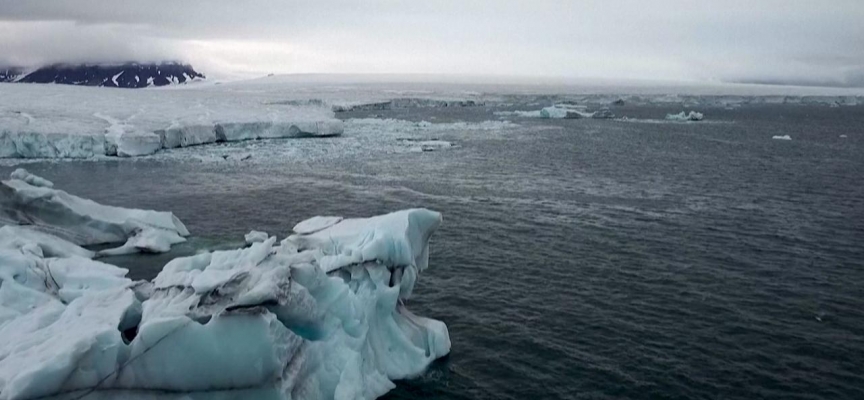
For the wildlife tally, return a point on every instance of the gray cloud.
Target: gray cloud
(735, 40)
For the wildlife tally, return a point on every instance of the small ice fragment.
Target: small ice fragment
(684, 116)
(31, 179)
(256, 237)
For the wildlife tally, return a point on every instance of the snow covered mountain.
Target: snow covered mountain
(130, 75)
(10, 74)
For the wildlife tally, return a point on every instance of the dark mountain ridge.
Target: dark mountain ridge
(127, 75)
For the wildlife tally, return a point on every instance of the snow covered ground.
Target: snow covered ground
(320, 314)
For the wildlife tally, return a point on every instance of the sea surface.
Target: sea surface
(578, 259)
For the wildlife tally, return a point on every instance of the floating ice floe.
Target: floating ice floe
(781, 137)
(26, 199)
(684, 116)
(319, 316)
(560, 111)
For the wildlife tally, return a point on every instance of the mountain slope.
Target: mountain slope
(130, 75)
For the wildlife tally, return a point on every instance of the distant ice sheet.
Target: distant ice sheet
(56, 121)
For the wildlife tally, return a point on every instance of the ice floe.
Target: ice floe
(684, 116)
(561, 111)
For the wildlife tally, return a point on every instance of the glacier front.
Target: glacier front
(318, 315)
(58, 121)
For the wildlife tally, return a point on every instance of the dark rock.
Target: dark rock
(131, 75)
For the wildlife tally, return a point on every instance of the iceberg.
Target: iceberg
(684, 116)
(26, 199)
(318, 315)
(781, 137)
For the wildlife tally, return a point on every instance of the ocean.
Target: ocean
(578, 259)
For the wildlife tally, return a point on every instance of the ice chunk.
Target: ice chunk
(684, 116)
(17, 236)
(33, 180)
(85, 222)
(781, 137)
(603, 114)
(394, 239)
(147, 240)
(254, 320)
(132, 144)
(316, 224)
(256, 237)
(553, 112)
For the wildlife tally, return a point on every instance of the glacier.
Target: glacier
(320, 314)
(56, 121)
(32, 201)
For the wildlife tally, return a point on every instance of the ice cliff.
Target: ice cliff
(57, 121)
(318, 315)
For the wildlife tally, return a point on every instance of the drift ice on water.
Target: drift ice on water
(684, 116)
(319, 315)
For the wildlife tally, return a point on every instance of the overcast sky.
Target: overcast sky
(775, 41)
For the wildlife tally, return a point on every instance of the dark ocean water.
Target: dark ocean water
(585, 258)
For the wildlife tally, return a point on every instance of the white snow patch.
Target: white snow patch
(114, 78)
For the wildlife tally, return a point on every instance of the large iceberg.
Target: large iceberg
(26, 199)
(319, 315)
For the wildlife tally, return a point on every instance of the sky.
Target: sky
(763, 41)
